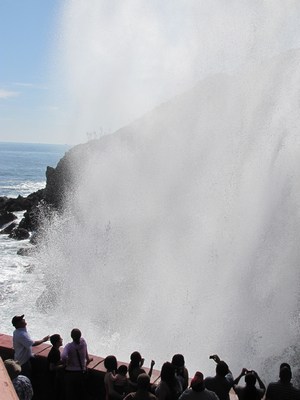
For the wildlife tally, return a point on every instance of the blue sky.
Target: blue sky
(73, 68)
(27, 103)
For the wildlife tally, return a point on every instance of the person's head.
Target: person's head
(76, 335)
(143, 381)
(250, 379)
(167, 373)
(56, 340)
(222, 368)
(110, 363)
(122, 369)
(197, 383)
(13, 368)
(135, 358)
(285, 374)
(18, 321)
(178, 361)
(285, 365)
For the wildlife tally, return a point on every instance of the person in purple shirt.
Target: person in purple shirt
(75, 357)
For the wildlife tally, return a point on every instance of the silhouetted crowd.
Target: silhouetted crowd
(68, 375)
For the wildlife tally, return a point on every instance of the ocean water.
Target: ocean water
(22, 171)
(23, 166)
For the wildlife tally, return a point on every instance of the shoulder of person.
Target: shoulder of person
(238, 389)
(129, 396)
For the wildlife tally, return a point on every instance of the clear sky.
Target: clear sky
(72, 68)
(27, 106)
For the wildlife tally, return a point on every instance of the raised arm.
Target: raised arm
(151, 368)
(260, 382)
(243, 373)
(38, 342)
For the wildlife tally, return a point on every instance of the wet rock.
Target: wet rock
(19, 234)
(25, 251)
(8, 229)
(6, 217)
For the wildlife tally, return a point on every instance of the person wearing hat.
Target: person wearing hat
(22, 344)
(20, 382)
(197, 390)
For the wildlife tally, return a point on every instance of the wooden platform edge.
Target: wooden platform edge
(7, 389)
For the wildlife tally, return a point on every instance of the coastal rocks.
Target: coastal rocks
(19, 234)
(9, 229)
(6, 217)
(29, 222)
(60, 180)
(25, 251)
(10, 204)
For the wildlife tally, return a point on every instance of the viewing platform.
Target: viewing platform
(96, 372)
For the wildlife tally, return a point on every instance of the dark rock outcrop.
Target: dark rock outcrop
(6, 217)
(19, 234)
(29, 222)
(9, 229)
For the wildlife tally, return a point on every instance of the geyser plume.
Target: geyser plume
(181, 233)
(119, 59)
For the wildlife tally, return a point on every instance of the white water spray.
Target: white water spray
(182, 232)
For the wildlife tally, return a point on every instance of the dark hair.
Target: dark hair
(135, 358)
(167, 373)
(250, 391)
(76, 335)
(250, 379)
(222, 368)
(110, 363)
(178, 360)
(122, 369)
(282, 365)
(285, 374)
(143, 381)
(54, 339)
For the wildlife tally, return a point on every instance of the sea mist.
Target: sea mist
(181, 234)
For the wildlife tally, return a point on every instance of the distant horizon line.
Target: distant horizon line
(37, 143)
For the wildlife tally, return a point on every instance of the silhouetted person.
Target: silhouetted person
(75, 358)
(121, 381)
(22, 344)
(283, 389)
(181, 372)
(111, 365)
(135, 369)
(250, 391)
(20, 382)
(55, 368)
(197, 391)
(222, 382)
(142, 392)
(168, 388)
